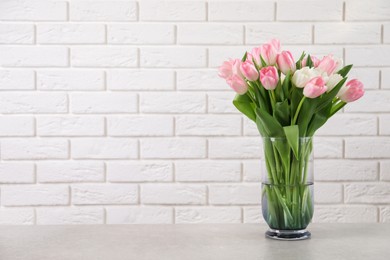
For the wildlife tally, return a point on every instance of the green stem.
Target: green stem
(298, 109)
(337, 107)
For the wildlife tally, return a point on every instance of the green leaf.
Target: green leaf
(245, 55)
(292, 135)
(298, 64)
(309, 61)
(344, 71)
(244, 104)
(286, 85)
(319, 119)
(270, 125)
(263, 63)
(282, 112)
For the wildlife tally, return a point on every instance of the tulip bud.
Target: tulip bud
(352, 91)
(249, 71)
(226, 69)
(314, 88)
(268, 53)
(333, 81)
(238, 84)
(328, 65)
(286, 62)
(255, 55)
(269, 77)
(302, 76)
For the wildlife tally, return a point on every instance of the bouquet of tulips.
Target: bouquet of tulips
(290, 100)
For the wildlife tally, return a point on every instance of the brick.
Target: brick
(70, 33)
(123, 57)
(385, 170)
(384, 124)
(368, 55)
(99, 194)
(140, 125)
(372, 101)
(171, 148)
(328, 147)
(36, 103)
(384, 214)
(345, 214)
(328, 193)
(17, 216)
(250, 128)
(291, 33)
(70, 171)
(172, 57)
(35, 195)
(141, 34)
(16, 172)
(367, 193)
(242, 147)
(347, 124)
(209, 125)
(104, 148)
(239, 11)
(25, 10)
(346, 33)
(196, 215)
(34, 149)
(173, 102)
(17, 80)
(227, 34)
(253, 215)
(309, 11)
(139, 171)
(70, 80)
(16, 33)
(385, 79)
(221, 103)
(172, 11)
(103, 11)
(217, 55)
(139, 215)
(386, 33)
(368, 76)
(179, 194)
(367, 10)
(108, 102)
(140, 80)
(252, 170)
(37, 56)
(16, 126)
(70, 126)
(237, 194)
(367, 147)
(207, 171)
(70, 216)
(345, 170)
(200, 80)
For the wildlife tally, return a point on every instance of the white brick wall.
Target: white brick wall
(112, 111)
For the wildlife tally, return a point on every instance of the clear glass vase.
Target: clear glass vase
(287, 187)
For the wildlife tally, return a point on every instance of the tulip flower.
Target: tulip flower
(268, 53)
(249, 70)
(333, 81)
(352, 91)
(302, 76)
(269, 77)
(286, 62)
(226, 69)
(328, 65)
(315, 87)
(238, 84)
(255, 55)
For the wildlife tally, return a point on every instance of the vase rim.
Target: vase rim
(306, 138)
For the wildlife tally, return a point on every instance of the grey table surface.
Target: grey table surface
(187, 242)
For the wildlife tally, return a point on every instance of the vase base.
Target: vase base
(288, 235)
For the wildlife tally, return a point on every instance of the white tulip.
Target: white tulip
(304, 75)
(333, 81)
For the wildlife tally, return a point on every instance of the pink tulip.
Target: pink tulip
(269, 77)
(226, 69)
(268, 53)
(328, 65)
(238, 84)
(285, 62)
(352, 91)
(315, 87)
(276, 44)
(249, 70)
(255, 55)
(314, 59)
(236, 68)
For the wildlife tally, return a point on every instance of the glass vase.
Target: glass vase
(287, 188)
